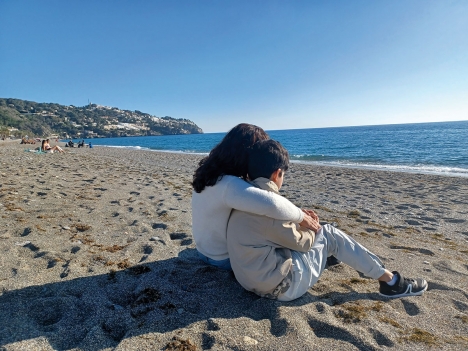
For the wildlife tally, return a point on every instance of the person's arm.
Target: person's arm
(240, 195)
(289, 235)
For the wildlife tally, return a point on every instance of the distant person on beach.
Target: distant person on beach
(81, 144)
(219, 186)
(47, 148)
(90, 145)
(281, 259)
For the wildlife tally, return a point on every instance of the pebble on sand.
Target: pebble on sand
(249, 341)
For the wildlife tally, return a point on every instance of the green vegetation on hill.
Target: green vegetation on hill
(20, 117)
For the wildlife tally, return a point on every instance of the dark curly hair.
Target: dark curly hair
(229, 157)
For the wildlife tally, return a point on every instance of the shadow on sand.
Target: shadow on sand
(99, 311)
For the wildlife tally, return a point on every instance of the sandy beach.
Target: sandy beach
(96, 253)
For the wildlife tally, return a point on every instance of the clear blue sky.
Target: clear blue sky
(277, 64)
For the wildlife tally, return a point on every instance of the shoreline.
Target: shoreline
(463, 173)
(97, 254)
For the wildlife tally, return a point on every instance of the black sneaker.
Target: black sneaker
(403, 287)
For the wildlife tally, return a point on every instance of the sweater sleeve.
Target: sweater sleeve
(240, 195)
(290, 235)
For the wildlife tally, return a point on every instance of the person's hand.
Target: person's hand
(312, 214)
(310, 223)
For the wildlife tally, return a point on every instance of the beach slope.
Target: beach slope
(97, 254)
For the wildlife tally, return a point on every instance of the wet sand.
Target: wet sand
(97, 254)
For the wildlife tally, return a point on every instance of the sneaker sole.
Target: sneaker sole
(418, 293)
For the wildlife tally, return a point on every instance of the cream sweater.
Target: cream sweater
(212, 207)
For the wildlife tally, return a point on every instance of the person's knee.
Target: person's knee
(327, 228)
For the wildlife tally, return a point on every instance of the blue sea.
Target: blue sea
(438, 148)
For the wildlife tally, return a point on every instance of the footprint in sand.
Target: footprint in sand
(381, 339)
(413, 222)
(51, 263)
(454, 220)
(147, 249)
(47, 312)
(371, 230)
(429, 219)
(26, 231)
(207, 341)
(461, 306)
(178, 236)
(159, 226)
(423, 251)
(411, 308)
(183, 237)
(329, 331)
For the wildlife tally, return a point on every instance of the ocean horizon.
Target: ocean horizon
(429, 148)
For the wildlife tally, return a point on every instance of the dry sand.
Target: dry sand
(96, 253)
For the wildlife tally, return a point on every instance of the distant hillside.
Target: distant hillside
(19, 117)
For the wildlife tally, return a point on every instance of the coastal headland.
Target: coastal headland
(21, 117)
(97, 254)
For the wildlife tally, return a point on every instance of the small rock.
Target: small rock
(66, 227)
(154, 238)
(426, 262)
(249, 341)
(441, 249)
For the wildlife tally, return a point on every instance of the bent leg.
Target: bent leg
(309, 266)
(348, 250)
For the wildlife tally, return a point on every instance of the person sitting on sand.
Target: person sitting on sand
(282, 260)
(219, 187)
(47, 148)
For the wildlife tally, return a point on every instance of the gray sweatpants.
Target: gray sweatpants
(329, 241)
